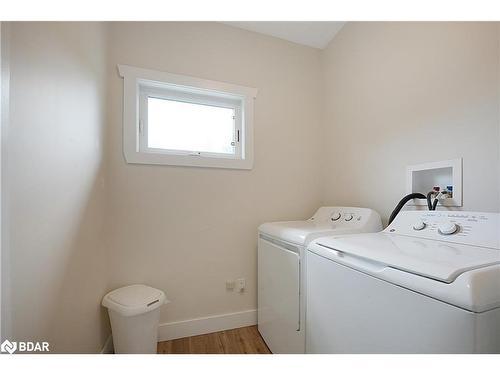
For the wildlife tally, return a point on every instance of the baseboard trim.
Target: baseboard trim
(108, 346)
(208, 324)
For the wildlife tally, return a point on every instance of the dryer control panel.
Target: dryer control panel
(325, 221)
(344, 216)
(468, 228)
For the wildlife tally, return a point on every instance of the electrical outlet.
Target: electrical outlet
(240, 285)
(229, 284)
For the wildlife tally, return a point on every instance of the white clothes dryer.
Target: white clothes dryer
(281, 270)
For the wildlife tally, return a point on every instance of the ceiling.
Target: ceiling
(312, 34)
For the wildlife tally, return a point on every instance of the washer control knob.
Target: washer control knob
(348, 217)
(447, 228)
(419, 225)
(335, 216)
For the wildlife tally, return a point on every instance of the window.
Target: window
(179, 123)
(178, 120)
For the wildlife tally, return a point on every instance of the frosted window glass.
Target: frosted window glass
(182, 126)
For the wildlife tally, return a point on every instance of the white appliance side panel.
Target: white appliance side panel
(279, 298)
(488, 332)
(351, 312)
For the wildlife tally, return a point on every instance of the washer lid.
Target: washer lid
(134, 299)
(442, 261)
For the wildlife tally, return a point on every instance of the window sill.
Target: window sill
(186, 160)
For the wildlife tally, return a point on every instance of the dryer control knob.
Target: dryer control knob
(447, 228)
(419, 225)
(336, 216)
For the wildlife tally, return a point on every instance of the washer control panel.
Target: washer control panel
(469, 228)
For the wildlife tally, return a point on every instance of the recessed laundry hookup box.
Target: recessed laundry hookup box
(446, 175)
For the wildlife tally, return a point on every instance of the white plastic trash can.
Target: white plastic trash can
(134, 312)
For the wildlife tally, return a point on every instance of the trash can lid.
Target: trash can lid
(134, 299)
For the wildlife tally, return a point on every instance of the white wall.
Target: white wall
(186, 230)
(55, 183)
(398, 94)
(2, 58)
(5, 271)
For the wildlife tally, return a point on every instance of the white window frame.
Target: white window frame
(139, 84)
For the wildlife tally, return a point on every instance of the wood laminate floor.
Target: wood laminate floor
(246, 340)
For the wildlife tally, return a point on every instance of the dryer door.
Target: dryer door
(279, 297)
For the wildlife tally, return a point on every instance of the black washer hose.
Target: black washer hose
(434, 205)
(403, 201)
(429, 200)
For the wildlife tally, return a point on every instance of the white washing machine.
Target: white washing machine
(429, 283)
(281, 280)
